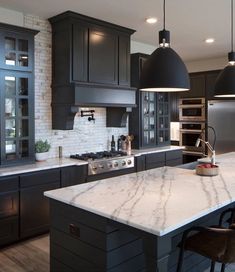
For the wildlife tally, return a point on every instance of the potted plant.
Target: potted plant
(42, 150)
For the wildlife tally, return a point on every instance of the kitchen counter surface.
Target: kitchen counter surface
(139, 152)
(157, 201)
(38, 166)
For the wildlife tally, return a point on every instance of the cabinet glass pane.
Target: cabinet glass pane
(146, 123)
(10, 107)
(161, 136)
(10, 43)
(23, 107)
(10, 86)
(160, 110)
(23, 86)
(10, 58)
(146, 137)
(23, 45)
(161, 122)
(166, 122)
(23, 60)
(151, 97)
(10, 150)
(152, 136)
(10, 130)
(151, 108)
(24, 148)
(23, 128)
(151, 123)
(166, 109)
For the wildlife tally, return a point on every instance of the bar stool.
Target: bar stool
(216, 243)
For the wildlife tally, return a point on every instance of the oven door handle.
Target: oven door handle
(191, 106)
(191, 130)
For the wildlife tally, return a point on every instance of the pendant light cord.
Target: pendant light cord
(164, 13)
(232, 25)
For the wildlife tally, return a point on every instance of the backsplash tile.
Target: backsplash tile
(86, 136)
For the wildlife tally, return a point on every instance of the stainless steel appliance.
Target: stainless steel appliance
(221, 116)
(189, 133)
(106, 161)
(192, 109)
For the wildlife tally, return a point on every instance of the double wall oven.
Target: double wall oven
(192, 117)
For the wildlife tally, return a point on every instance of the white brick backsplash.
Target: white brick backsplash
(86, 136)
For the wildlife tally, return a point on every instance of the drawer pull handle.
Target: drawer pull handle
(74, 230)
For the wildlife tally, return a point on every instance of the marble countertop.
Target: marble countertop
(157, 201)
(38, 166)
(139, 152)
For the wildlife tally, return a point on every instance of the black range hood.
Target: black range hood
(68, 99)
(91, 66)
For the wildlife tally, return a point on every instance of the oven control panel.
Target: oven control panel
(108, 165)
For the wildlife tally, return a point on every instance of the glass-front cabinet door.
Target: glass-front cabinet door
(163, 119)
(16, 52)
(16, 112)
(149, 119)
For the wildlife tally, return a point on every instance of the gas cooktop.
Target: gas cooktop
(98, 155)
(105, 161)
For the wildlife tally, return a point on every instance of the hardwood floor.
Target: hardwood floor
(28, 256)
(33, 256)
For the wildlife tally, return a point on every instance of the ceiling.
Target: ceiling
(190, 21)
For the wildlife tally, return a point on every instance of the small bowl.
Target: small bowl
(210, 171)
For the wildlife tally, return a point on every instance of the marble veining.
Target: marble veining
(157, 201)
(38, 166)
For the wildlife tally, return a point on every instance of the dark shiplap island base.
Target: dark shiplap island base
(82, 241)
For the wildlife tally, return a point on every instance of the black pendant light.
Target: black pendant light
(164, 71)
(225, 82)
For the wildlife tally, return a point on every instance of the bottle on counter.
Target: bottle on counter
(113, 144)
(119, 144)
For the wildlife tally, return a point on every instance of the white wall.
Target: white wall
(11, 17)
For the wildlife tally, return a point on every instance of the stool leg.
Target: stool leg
(222, 268)
(212, 266)
(180, 260)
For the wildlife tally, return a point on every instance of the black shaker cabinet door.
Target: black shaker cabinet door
(124, 61)
(103, 56)
(80, 53)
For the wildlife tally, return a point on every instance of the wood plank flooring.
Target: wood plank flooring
(28, 256)
(33, 256)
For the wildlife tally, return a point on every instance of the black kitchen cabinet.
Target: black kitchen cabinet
(90, 66)
(197, 86)
(34, 207)
(149, 122)
(210, 85)
(17, 94)
(73, 175)
(9, 209)
(158, 159)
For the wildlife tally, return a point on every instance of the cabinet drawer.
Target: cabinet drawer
(9, 184)
(173, 155)
(40, 177)
(9, 204)
(9, 230)
(155, 160)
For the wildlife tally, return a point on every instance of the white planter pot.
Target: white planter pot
(42, 156)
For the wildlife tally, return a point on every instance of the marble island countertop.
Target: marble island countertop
(157, 201)
(139, 152)
(38, 166)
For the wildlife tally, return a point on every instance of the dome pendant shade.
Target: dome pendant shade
(225, 83)
(164, 71)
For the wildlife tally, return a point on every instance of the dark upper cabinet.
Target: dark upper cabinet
(210, 84)
(79, 53)
(17, 94)
(103, 56)
(149, 122)
(90, 66)
(197, 86)
(124, 61)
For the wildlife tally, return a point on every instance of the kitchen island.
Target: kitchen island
(134, 222)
